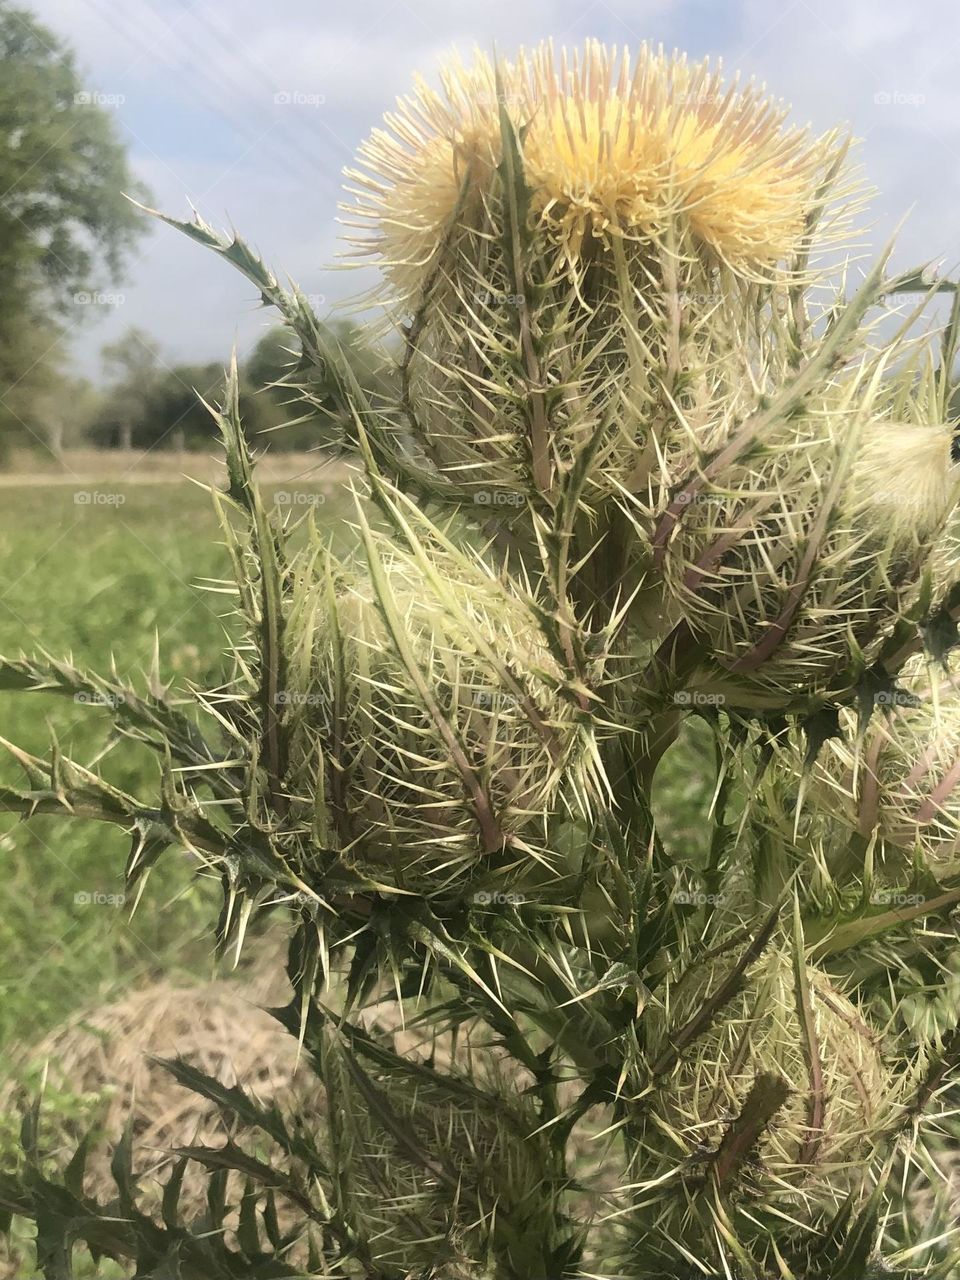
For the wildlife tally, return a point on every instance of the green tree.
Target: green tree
(152, 405)
(32, 359)
(177, 415)
(65, 411)
(148, 404)
(66, 228)
(131, 367)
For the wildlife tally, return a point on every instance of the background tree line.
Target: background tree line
(146, 403)
(67, 231)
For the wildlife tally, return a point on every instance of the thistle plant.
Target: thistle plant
(656, 463)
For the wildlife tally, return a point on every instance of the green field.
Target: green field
(98, 580)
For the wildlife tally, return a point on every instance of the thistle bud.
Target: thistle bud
(570, 244)
(944, 572)
(776, 1100)
(794, 564)
(431, 727)
(900, 780)
(464, 1158)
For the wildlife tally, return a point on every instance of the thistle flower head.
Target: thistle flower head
(612, 148)
(900, 779)
(575, 239)
(437, 1158)
(945, 566)
(798, 560)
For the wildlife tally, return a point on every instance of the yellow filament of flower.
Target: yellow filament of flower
(606, 152)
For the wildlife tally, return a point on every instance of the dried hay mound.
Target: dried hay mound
(108, 1054)
(102, 1060)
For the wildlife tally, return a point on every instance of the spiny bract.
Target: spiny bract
(898, 781)
(432, 730)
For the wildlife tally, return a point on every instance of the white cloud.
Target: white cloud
(893, 79)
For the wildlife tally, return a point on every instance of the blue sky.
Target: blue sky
(195, 84)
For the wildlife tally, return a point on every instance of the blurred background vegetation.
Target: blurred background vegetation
(67, 232)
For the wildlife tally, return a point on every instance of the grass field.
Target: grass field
(96, 577)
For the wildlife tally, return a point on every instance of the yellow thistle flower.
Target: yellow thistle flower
(416, 168)
(610, 148)
(573, 241)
